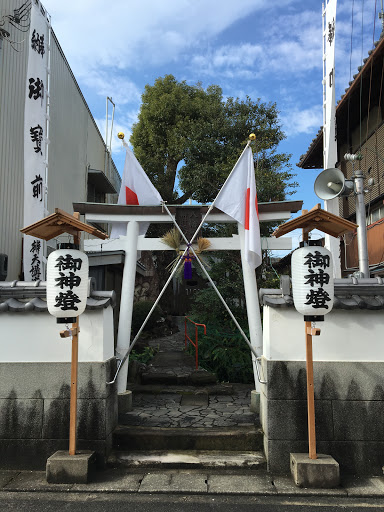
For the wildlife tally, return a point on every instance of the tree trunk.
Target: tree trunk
(170, 177)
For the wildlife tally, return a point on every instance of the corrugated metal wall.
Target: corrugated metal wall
(13, 68)
(67, 177)
(75, 142)
(372, 165)
(375, 237)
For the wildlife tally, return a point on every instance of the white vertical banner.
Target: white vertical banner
(329, 118)
(329, 113)
(35, 138)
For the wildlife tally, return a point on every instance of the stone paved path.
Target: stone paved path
(205, 408)
(173, 343)
(166, 410)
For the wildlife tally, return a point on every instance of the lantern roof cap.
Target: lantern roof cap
(58, 223)
(317, 219)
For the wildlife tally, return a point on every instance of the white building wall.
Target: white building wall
(345, 336)
(34, 338)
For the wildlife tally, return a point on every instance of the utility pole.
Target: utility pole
(362, 245)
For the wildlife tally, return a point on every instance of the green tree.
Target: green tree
(193, 134)
(188, 139)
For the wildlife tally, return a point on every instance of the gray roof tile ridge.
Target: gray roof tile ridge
(350, 293)
(23, 296)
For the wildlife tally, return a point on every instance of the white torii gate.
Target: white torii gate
(132, 242)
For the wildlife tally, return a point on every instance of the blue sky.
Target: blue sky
(266, 49)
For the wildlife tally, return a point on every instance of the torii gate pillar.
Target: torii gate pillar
(126, 304)
(253, 307)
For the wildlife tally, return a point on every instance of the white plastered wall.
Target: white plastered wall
(346, 335)
(34, 337)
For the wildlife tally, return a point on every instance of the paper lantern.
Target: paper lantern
(312, 280)
(67, 283)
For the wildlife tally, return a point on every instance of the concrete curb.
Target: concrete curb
(258, 483)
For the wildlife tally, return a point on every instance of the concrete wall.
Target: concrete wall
(349, 389)
(35, 377)
(34, 411)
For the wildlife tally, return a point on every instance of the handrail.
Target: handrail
(196, 344)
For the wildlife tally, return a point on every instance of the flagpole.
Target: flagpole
(234, 167)
(251, 137)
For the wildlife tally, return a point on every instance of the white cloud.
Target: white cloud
(291, 46)
(108, 45)
(124, 34)
(230, 61)
(124, 90)
(295, 121)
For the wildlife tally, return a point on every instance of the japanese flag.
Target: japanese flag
(136, 189)
(238, 199)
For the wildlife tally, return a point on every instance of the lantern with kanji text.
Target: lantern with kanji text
(67, 283)
(312, 280)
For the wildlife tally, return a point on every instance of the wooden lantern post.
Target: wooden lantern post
(310, 390)
(74, 369)
(334, 226)
(50, 227)
(310, 381)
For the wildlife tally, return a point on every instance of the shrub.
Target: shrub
(145, 356)
(226, 354)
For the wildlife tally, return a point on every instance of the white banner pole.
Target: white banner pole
(329, 119)
(35, 139)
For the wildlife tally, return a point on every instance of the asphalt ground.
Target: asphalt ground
(91, 502)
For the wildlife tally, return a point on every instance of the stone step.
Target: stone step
(247, 438)
(181, 376)
(189, 459)
(157, 389)
(175, 368)
(173, 359)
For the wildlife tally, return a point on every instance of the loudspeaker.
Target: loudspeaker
(331, 183)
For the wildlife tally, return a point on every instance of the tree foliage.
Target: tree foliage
(193, 134)
(188, 139)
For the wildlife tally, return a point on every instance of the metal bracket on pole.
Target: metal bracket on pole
(313, 331)
(69, 332)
